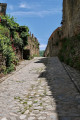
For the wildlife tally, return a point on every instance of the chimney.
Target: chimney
(3, 7)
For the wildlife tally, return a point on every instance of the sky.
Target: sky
(41, 16)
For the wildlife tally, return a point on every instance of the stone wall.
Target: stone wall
(46, 52)
(33, 47)
(3, 8)
(54, 44)
(19, 53)
(2, 61)
(70, 27)
(71, 18)
(22, 44)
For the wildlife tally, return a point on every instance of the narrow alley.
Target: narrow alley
(40, 90)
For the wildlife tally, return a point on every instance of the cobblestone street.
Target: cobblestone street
(39, 90)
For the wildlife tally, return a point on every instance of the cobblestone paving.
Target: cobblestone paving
(20, 66)
(39, 91)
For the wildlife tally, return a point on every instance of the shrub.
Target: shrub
(5, 46)
(17, 40)
(69, 52)
(23, 34)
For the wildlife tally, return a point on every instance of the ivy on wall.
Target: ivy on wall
(10, 38)
(70, 51)
(8, 53)
(17, 40)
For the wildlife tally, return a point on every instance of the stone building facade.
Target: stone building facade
(54, 43)
(71, 18)
(3, 7)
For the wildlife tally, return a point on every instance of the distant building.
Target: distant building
(3, 7)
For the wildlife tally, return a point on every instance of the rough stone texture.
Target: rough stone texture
(19, 53)
(41, 90)
(32, 49)
(71, 18)
(3, 8)
(2, 60)
(70, 26)
(33, 46)
(46, 52)
(54, 44)
(74, 74)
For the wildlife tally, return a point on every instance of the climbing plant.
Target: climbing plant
(12, 38)
(8, 53)
(17, 40)
(6, 45)
(70, 51)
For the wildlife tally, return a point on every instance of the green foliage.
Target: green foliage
(35, 55)
(69, 52)
(4, 30)
(41, 53)
(3, 68)
(4, 42)
(5, 46)
(17, 40)
(11, 36)
(31, 57)
(23, 34)
(10, 21)
(10, 68)
(36, 43)
(24, 37)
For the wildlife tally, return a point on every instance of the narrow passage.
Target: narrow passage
(41, 90)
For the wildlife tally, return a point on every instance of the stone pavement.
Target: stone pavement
(74, 74)
(41, 90)
(20, 66)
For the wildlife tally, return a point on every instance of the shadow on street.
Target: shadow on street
(62, 89)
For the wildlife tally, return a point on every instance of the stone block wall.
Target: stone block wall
(70, 50)
(19, 53)
(65, 43)
(54, 45)
(3, 7)
(71, 18)
(2, 60)
(46, 52)
(33, 46)
(70, 27)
